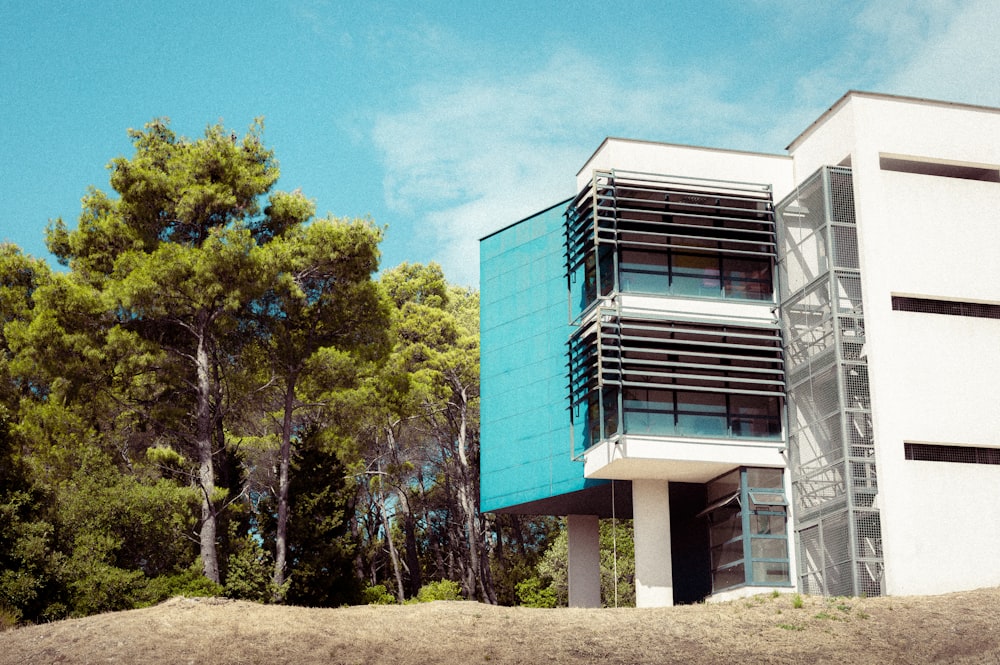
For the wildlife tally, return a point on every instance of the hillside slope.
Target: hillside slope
(955, 628)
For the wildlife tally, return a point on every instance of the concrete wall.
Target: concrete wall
(690, 162)
(933, 378)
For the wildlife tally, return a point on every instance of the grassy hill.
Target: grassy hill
(954, 628)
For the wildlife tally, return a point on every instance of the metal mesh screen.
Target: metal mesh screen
(845, 247)
(831, 444)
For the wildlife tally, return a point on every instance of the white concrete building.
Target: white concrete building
(786, 365)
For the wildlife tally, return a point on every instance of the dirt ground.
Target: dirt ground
(955, 628)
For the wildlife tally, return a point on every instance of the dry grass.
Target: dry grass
(956, 628)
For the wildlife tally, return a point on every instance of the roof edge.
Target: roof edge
(676, 145)
(524, 219)
(842, 101)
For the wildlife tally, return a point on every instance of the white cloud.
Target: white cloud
(956, 58)
(471, 155)
(474, 155)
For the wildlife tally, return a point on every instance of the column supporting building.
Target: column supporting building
(584, 533)
(654, 585)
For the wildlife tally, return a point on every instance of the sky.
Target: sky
(445, 121)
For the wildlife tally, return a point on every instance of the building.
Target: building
(783, 368)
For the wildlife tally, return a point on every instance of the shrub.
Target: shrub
(531, 593)
(377, 594)
(249, 575)
(440, 590)
(190, 583)
(9, 618)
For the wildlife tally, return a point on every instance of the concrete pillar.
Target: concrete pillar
(584, 533)
(654, 581)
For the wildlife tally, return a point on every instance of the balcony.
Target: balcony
(683, 238)
(659, 389)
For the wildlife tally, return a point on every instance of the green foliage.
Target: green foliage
(519, 543)
(797, 601)
(377, 594)
(439, 590)
(31, 581)
(190, 583)
(532, 592)
(416, 284)
(320, 546)
(617, 558)
(554, 566)
(249, 572)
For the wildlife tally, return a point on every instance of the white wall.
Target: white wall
(692, 162)
(933, 378)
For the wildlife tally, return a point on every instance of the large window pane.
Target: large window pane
(701, 414)
(610, 411)
(747, 279)
(726, 524)
(773, 525)
(696, 275)
(649, 412)
(755, 416)
(644, 272)
(728, 577)
(768, 548)
(770, 572)
(761, 477)
(727, 553)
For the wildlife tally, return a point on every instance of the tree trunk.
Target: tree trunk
(393, 555)
(206, 469)
(467, 502)
(284, 464)
(433, 538)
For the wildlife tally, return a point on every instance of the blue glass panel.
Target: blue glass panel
(644, 418)
(635, 280)
(525, 424)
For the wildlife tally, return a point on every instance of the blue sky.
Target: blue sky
(448, 120)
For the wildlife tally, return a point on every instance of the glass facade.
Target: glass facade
(678, 237)
(747, 525)
(648, 377)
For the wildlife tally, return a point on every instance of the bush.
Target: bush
(249, 574)
(440, 590)
(377, 595)
(190, 583)
(531, 593)
(9, 618)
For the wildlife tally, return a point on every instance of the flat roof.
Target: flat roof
(676, 145)
(883, 97)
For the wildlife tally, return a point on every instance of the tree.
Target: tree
(320, 545)
(322, 303)
(176, 261)
(424, 451)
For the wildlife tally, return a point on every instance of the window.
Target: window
(701, 414)
(928, 452)
(949, 307)
(705, 275)
(936, 168)
(747, 527)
